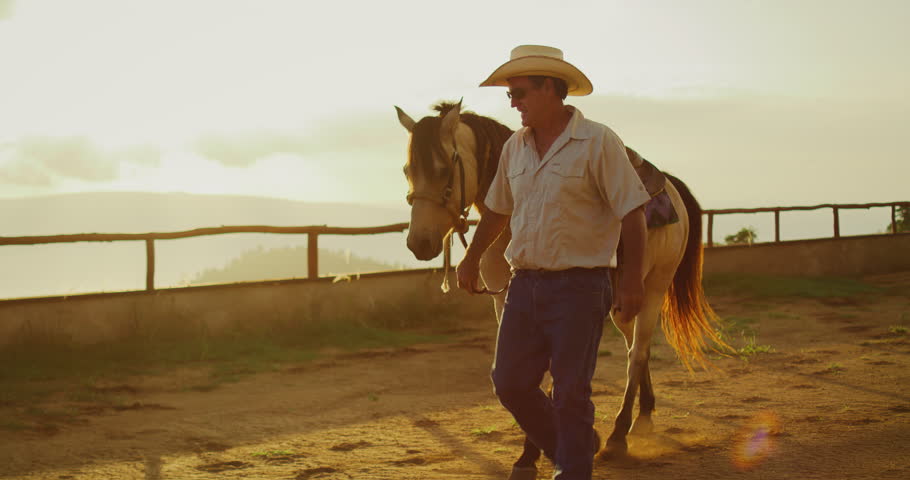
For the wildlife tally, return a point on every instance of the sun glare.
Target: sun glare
(755, 441)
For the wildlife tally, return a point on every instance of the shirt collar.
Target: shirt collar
(577, 128)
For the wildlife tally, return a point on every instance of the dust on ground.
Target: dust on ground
(829, 400)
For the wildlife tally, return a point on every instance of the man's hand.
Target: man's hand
(630, 296)
(468, 274)
(488, 229)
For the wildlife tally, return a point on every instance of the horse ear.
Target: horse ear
(451, 119)
(406, 121)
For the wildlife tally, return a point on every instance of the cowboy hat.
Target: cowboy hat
(529, 60)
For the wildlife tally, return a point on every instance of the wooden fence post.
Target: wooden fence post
(710, 229)
(836, 223)
(894, 218)
(149, 264)
(777, 226)
(312, 262)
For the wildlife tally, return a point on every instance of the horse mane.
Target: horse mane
(490, 136)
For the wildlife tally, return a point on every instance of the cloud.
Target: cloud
(373, 133)
(43, 161)
(146, 155)
(245, 150)
(25, 174)
(69, 157)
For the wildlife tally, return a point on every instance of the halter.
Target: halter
(460, 215)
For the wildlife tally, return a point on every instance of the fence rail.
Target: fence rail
(835, 208)
(314, 231)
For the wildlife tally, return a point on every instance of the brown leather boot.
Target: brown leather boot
(523, 473)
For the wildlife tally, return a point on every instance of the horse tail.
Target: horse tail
(688, 319)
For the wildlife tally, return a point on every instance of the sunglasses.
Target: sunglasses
(516, 93)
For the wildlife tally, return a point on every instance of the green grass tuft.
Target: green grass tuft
(835, 367)
(479, 432)
(752, 348)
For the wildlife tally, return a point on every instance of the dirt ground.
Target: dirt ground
(830, 401)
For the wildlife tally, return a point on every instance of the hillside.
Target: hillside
(287, 262)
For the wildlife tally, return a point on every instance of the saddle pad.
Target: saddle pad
(659, 211)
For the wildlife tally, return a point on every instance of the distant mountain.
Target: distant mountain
(90, 267)
(288, 262)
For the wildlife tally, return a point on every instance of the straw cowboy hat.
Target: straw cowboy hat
(529, 60)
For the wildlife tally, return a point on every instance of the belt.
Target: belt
(539, 272)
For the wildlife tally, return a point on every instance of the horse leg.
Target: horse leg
(647, 322)
(639, 351)
(616, 444)
(643, 424)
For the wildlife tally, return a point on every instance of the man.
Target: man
(567, 190)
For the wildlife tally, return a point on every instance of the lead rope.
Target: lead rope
(461, 220)
(447, 260)
(461, 226)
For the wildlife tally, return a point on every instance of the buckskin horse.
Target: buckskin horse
(452, 159)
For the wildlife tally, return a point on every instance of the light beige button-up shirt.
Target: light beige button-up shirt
(566, 208)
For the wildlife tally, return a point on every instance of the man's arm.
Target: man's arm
(488, 229)
(630, 295)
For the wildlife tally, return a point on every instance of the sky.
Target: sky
(753, 103)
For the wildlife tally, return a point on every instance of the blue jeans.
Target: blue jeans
(553, 320)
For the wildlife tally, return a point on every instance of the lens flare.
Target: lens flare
(755, 442)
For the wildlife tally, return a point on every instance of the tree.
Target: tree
(746, 236)
(902, 219)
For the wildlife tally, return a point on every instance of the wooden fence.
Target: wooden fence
(836, 208)
(313, 233)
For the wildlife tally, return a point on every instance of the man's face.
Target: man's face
(527, 99)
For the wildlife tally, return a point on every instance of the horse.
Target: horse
(452, 159)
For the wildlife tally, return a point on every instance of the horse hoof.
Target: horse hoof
(642, 426)
(523, 473)
(613, 451)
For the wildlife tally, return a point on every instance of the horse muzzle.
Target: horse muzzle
(425, 246)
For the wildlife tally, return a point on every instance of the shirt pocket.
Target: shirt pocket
(518, 180)
(568, 181)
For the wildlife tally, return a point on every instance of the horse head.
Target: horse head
(442, 176)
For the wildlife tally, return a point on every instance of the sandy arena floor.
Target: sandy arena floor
(833, 396)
